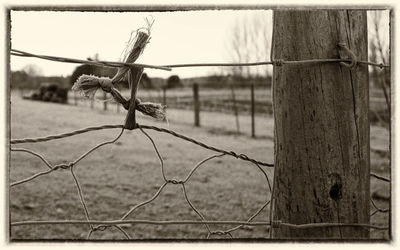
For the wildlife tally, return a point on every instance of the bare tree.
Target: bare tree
(33, 70)
(237, 49)
(249, 41)
(378, 35)
(379, 51)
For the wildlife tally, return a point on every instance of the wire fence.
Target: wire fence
(88, 87)
(102, 225)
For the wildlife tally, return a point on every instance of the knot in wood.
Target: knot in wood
(335, 191)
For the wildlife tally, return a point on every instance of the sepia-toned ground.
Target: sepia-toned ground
(119, 176)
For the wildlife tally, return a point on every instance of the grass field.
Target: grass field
(117, 177)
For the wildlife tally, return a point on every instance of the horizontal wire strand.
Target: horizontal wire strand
(164, 130)
(168, 67)
(380, 177)
(63, 135)
(20, 53)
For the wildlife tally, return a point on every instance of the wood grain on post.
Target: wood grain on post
(322, 148)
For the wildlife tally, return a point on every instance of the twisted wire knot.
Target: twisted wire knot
(219, 233)
(105, 84)
(233, 154)
(100, 228)
(175, 181)
(64, 166)
(277, 62)
(276, 223)
(353, 57)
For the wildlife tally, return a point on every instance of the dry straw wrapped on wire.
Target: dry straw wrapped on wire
(88, 85)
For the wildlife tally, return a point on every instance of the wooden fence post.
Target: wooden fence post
(164, 89)
(322, 163)
(235, 109)
(253, 125)
(104, 101)
(91, 103)
(196, 104)
(75, 99)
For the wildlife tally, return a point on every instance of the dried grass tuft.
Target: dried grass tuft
(87, 85)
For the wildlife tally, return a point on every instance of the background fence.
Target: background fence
(246, 110)
(237, 102)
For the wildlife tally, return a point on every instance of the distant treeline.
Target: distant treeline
(21, 79)
(223, 81)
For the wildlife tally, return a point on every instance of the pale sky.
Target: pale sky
(177, 37)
